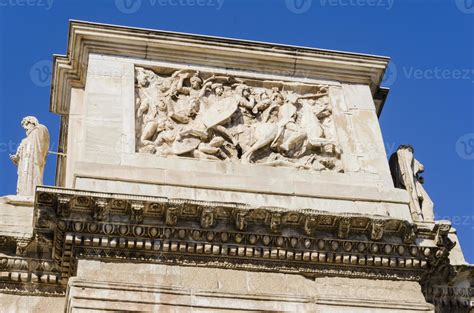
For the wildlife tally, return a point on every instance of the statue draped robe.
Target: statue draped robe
(31, 160)
(404, 168)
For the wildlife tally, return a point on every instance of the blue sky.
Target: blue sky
(431, 76)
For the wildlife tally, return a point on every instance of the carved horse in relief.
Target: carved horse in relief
(296, 128)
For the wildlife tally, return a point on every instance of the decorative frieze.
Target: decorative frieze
(450, 299)
(211, 116)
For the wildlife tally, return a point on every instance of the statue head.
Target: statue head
(29, 122)
(277, 96)
(196, 81)
(218, 89)
(243, 90)
(142, 77)
(246, 91)
(407, 147)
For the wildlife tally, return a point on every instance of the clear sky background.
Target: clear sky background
(431, 77)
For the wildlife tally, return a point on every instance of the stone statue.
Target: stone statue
(406, 172)
(201, 115)
(30, 157)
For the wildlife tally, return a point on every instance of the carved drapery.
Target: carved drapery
(216, 117)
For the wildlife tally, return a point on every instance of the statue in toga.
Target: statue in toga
(30, 157)
(406, 172)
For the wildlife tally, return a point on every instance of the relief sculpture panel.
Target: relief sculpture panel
(186, 113)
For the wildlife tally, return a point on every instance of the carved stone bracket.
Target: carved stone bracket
(240, 220)
(409, 232)
(171, 216)
(377, 227)
(22, 244)
(136, 211)
(275, 222)
(207, 217)
(442, 229)
(101, 209)
(64, 207)
(344, 227)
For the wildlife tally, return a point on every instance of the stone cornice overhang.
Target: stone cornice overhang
(271, 59)
(131, 228)
(30, 276)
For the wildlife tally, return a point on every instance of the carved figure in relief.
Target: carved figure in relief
(218, 117)
(246, 102)
(216, 94)
(271, 125)
(266, 100)
(154, 118)
(406, 172)
(186, 107)
(30, 157)
(291, 135)
(152, 107)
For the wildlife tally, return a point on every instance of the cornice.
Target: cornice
(85, 38)
(74, 224)
(30, 276)
(130, 228)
